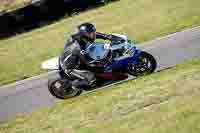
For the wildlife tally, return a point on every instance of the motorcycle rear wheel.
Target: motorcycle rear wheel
(61, 88)
(147, 65)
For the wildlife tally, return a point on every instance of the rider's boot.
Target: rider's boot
(80, 84)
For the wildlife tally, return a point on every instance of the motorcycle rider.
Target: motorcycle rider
(75, 61)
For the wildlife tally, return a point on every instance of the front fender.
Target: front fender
(136, 53)
(135, 56)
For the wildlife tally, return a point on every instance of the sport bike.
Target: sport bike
(125, 60)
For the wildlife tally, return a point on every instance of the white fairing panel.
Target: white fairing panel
(51, 64)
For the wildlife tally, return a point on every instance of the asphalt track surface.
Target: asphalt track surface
(29, 95)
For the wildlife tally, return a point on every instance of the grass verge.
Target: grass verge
(9, 5)
(163, 102)
(142, 20)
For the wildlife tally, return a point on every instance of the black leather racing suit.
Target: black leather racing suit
(74, 61)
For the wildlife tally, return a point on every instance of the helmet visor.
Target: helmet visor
(92, 29)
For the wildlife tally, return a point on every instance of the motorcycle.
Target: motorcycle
(125, 60)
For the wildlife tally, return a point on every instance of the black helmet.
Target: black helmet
(86, 28)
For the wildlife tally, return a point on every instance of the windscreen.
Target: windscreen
(97, 51)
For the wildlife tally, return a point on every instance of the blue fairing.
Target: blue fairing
(122, 55)
(122, 62)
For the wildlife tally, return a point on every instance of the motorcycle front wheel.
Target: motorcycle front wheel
(61, 88)
(146, 65)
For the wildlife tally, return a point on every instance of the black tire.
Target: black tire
(64, 91)
(147, 65)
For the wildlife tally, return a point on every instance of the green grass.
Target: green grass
(164, 102)
(9, 5)
(142, 20)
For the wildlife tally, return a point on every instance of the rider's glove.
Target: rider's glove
(110, 36)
